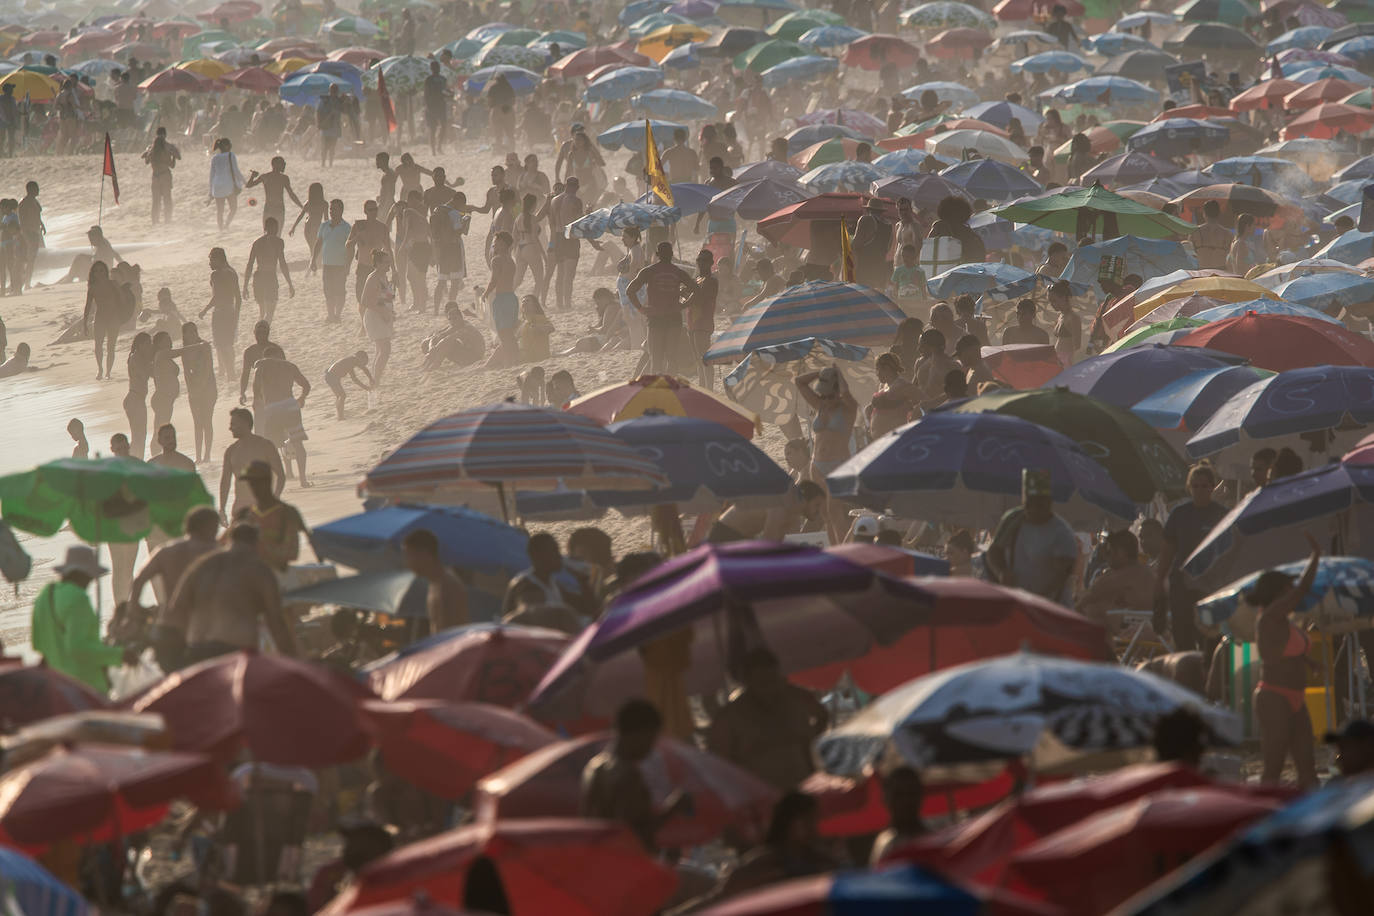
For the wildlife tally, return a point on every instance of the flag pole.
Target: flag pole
(100, 217)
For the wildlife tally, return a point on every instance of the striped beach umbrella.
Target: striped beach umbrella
(763, 381)
(35, 891)
(843, 312)
(533, 448)
(671, 396)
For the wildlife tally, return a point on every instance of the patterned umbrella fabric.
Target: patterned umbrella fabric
(842, 176)
(674, 104)
(1341, 597)
(799, 69)
(1065, 211)
(1281, 342)
(763, 381)
(1329, 291)
(1002, 281)
(351, 25)
(947, 14)
(1187, 402)
(1263, 307)
(1124, 377)
(640, 215)
(1104, 90)
(873, 52)
(493, 55)
(842, 312)
(753, 200)
(34, 889)
(830, 36)
(670, 396)
(991, 180)
(1176, 136)
(1146, 257)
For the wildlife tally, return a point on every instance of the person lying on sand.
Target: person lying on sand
(17, 363)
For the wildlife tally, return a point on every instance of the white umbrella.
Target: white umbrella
(955, 142)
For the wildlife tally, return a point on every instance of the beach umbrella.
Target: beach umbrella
(480, 663)
(872, 52)
(405, 74)
(493, 54)
(837, 149)
(232, 10)
(1143, 64)
(350, 25)
(861, 121)
(956, 94)
(1307, 267)
(1102, 139)
(640, 215)
(100, 793)
(395, 593)
(688, 198)
(769, 54)
(344, 71)
(1176, 136)
(256, 703)
(656, 44)
(1262, 307)
(975, 473)
(654, 21)
(1188, 401)
(103, 500)
(1050, 710)
(638, 9)
(1329, 119)
(527, 447)
(1179, 285)
(830, 36)
(1133, 453)
(991, 180)
(444, 748)
(1002, 113)
(767, 168)
(174, 79)
(1268, 172)
(1287, 405)
(1341, 595)
(696, 10)
(947, 14)
(371, 541)
(543, 865)
(792, 225)
(89, 69)
(753, 200)
(580, 63)
(546, 784)
(522, 81)
(1163, 332)
(1282, 342)
(1082, 210)
(1124, 377)
(842, 176)
(516, 36)
(1214, 37)
(34, 889)
(1003, 281)
(1328, 89)
(1315, 74)
(461, 49)
(565, 39)
(792, 26)
(1021, 42)
(669, 396)
(956, 142)
(630, 134)
(283, 67)
(1050, 62)
(1359, 50)
(683, 57)
(799, 69)
(1104, 90)
(763, 381)
(1146, 257)
(732, 41)
(1112, 44)
(1268, 94)
(253, 79)
(1027, 10)
(924, 190)
(1328, 291)
(842, 312)
(309, 88)
(91, 41)
(903, 888)
(811, 607)
(915, 135)
(673, 104)
(1317, 159)
(32, 693)
(485, 33)
(1234, 12)
(1353, 247)
(36, 86)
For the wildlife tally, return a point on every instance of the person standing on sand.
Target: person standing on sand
(225, 182)
(268, 254)
(246, 448)
(31, 227)
(413, 251)
(161, 157)
(251, 354)
(502, 303)
(701, 315)
(107, 309)
(379, 311)
(226, 301)
(386, 194)
(447, 601)
(367, 235)
(665, 284)
(279, 524)
(276, 187)
(274, 381)
(313, 211)
(563, 210)
(166, 380)
(136, 401)
(167, 565)
(198, 367)
(64, 628)
(331, 247)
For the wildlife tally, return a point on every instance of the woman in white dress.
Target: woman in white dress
(225, 182)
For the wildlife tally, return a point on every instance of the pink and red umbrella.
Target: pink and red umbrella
(959, 44)
(1268, 94)
(232, 11)
(42, 39)
(357, 56)
(1282, 342)
(174, 79)
(90, 42)
(547, 784)
(583, 62)
(872, 52)
(1329, 119)
(253, 79)
(31, 693)
(278, 709)
(1026, 10)
(175, 28)
(865, 123)
(1023, 365)
(567, 867)
(444, 748)
(140, 49)
(1330, 89)
(792, 224)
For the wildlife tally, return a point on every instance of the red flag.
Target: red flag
(387, 108)
(109, 169)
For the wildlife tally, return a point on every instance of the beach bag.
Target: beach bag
(940, 254)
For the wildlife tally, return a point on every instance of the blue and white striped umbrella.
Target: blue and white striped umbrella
(1051, 62)
(1306, 37)
(622, 216)
(842, 312)
(830, 36)
(630, 134)
(763, 381)
(998, 280)
(688, 198)
(1342, 592)
(956, 94)
(904, 163)
(1188, 402)
(1095, 90)
(1023, 42)
(842, 176)
(677, 104)
(683, 57)
(1329, 291)
(1262, 307)
(522, 81)
(34, 890)
(947, 14)
(340, 68)
(1287, 405)
(1110, 44)
(799, 70)
(623, 83)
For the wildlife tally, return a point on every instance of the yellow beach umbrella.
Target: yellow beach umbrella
(659, 42)
(1226, 289)
(289, 65)
(210, 69)
(37, 86)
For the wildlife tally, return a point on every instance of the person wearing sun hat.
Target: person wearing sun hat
(65, 629)
(1033, 548)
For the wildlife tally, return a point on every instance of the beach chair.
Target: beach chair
(1135, 638)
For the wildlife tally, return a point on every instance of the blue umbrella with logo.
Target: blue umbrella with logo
(1125, 376)
(704, 462)
(991, 180)
(1262, 307)
(999, 280)
(1051, 62)
(1187, 402)
(842, 176)
(1002, 113)
(1328, 291)
(753, 200)
(830, 36)
(1351, 247)
(956, 94)
(522, 81)
(799, 70)
(688, 197)
(1341, 593)
(310, 88)
(623, 83)
(1103, 90)
(675, 104)
(630, 134)
(1146, 257)
(1176, 136)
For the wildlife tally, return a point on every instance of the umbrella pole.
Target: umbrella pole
(501, 495)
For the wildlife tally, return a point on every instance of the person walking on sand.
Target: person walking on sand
(331, 248)
(276, 187)
(563, 210)
(313, 211)
(367, 235)
(251, 354)
(666, 284)
(268, 255)
(225, 182)
(226, 302)
(166, 380)
(274, 381)
(31, 227)
(347, 368)
(64, 628)
(379, 311)
(198, 368)
(329, 119)
(280, 524)
(108, 308)
(136, 401)
(413, 251)
(246, 448)
(161, 156)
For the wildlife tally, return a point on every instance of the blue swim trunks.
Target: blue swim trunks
(505, 311)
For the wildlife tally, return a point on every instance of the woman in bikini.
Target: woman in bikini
(529, 249)
(136, 401)
(379, 311)
(198, 365)
(166, 380)
(1280, 700)
(225, 300)
(313, 211)
(832, 428)
(107, 308)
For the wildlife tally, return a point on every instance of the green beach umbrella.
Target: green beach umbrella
(769, 54)
(1178, 323)
(105, 500)
(1095, 211)
(789, 29)
(1231, 12)
(520, 37)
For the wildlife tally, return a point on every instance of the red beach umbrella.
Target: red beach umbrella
(959, 44)
(873, 51)
(1328, 119)
(791, 224)
(482, 664)
(175, 80)
(31, 693)
(1313, 94)
(253, 79)
(1268, 94)
(584, 61)
(1282, 342)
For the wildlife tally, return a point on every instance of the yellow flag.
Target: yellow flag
(653, 168)
(846, 255)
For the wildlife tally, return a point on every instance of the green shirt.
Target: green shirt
(66, 632)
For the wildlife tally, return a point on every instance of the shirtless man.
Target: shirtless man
(502, 302)
(247, 448)
(613, 787)
(274, 381)
(367, 234)
(347, 369)
(268, 254)
(805, 504)
(251, 354)
(31, 227)
(169, 457)
(169, 563)
(413, 251)
(447, 600)
(493, 202)
(563, 210)
(276, 187)
(680, 160)
(932, 367)
(279, 524)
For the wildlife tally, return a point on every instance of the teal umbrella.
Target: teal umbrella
(769, 54)
(1094, 211)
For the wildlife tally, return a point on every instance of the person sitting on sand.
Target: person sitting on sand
(77, 430)
(806, 504)
(274, 381)
(167, 316)
(347, 368)
(534, 331)
(101, 249)
(17, 363)
(461, 343)
(560, 390)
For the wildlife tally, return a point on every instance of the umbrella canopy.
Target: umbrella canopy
(1188, 401)
(256, 703)
(1326, 89)
(902, 888)
(641, 215)
(1143, 64)
(1081, 210)
(814, 132)
(666, 395)
(351, 25)
(1130, 168)
(623, 83)
(1002, 113)
(810, 607)
(1235, 199)
(253, 79)
(585, 60)
(959, 44)
(174, 80)
(1214, 37)
(1146, 257)
(1005, 281)
(371, 541)
(1178, 285)
(674, 104)
(768, 54)
(1262, 307)
(1124, 377)
(956, 94)
(1341, 595)
(532, 447)
(1267, 94)
(955, 142)
(1235, 12)
(991, 180)
(1328, 291)
(1176, 136)
(923, 189)
(1104, 90)
(753, 200)
(105, 500)
(842, 176)
(947, 14)
(522, 81)
(830, 36)
(843, 312)
(799, 69)
(861, 121)
(1281, 342)
(32, 693)
(826, 152)
(544, 866)
(309, 88)
(630, 134)
(1328, 120)
(767, 168)
(547, 784)
(763, 381)
(35, 891)
(444, 748)
(732, 41)
(683, 57)
(1048, 709)
(966, 480)
(1133, 453)
(395, 592)
(1051, 62)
